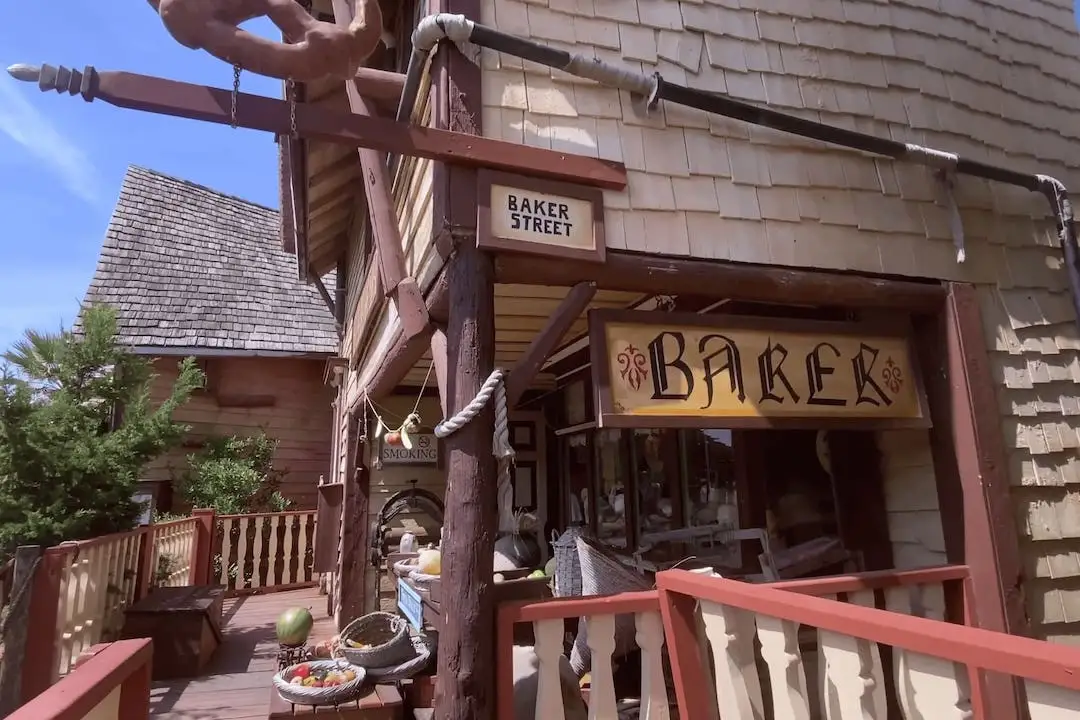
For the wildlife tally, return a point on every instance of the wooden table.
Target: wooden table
(185, 624)
(379, 702)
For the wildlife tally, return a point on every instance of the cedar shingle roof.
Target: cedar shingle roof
(189, 267)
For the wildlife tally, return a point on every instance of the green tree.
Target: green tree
(70, 459)
(35, 359)
(234, 475)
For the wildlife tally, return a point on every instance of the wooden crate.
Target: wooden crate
(185, 625)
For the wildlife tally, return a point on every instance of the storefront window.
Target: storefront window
(613, 502)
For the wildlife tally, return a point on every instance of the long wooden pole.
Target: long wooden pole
(464, 685)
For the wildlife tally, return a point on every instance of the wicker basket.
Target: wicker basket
(423, 648)
(567, 565)
(336, 695)
(603, 574)
(410, 569)
(385, 634)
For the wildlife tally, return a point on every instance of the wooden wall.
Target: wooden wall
(300, 417)
(911, 500)
(996, 82)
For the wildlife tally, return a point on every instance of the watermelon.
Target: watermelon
(294, 626)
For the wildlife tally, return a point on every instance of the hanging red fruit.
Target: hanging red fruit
(393, 438)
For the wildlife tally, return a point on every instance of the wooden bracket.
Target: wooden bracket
(524, 372)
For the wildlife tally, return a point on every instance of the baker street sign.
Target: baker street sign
(541, 217)
(655, 369)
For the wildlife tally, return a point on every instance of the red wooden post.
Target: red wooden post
(146, 559)
(692, 681)
(40, 658)
(135, 690)
(203, 548)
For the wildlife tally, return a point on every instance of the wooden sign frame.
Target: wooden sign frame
(601, 371)
(487, 240)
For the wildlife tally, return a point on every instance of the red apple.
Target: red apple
(393, 438)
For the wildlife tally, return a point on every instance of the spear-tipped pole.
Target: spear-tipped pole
(58, 78)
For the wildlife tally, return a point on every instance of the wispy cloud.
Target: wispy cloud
(31, 129)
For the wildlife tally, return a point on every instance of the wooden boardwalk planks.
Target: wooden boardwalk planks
(236, 684)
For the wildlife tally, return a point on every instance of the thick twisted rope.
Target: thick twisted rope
(493, 387)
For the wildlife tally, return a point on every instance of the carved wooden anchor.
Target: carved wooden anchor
(314, 50)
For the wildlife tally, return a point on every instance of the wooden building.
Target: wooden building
(194, 272)
(712, 210)
(805, 269)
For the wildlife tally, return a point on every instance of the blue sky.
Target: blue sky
(62, 160)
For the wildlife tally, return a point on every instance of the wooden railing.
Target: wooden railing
(175, 553)
(111, 683)
(934, 592)
(80, 590)
(265, 551)
(874, 663)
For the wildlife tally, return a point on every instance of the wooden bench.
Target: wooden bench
(379, 702)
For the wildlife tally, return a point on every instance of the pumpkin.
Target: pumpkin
(294, 626)
(430, 562)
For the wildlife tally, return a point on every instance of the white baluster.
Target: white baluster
(273, 577)
(287, 572)
(226, 551)
(549, 697)
(301, 555)
(600, 635)
(259, 526)
(865, 598)
(650, 638)
(241, 553)
(927, 687)
(1050, 702)
(848, 667)
(738, 688)
(780, 650)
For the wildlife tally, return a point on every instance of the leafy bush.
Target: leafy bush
(69, 462)
(234, 475)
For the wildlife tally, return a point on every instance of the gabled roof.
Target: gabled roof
(189, 267)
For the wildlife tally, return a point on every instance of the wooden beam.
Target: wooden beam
(255, 112)
(973, 490)
(405, 351)
(397, 284)
(738, 281)
(545, 343)
(380, 85)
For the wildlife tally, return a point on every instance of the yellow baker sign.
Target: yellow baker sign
(684, 370)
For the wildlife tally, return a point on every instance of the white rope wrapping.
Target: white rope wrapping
(455, 28)
(929, 156)
(500, 446)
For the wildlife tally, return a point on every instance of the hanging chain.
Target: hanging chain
(236, 69)
(290, 92)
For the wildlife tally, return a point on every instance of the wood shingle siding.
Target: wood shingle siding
(997, 82)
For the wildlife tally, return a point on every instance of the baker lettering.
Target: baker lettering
(545, 217)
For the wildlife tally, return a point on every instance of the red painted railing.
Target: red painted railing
(81, 589)
(942, 586)
(929, 658)
(111, 682)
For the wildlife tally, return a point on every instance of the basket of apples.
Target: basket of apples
(320, 682)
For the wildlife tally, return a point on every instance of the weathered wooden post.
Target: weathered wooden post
(465, 684)
(27, 559)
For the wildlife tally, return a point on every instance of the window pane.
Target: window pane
(613, 503)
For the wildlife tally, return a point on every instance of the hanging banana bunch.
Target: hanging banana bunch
(401, 436)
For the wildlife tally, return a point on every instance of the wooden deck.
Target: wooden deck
(236, 685)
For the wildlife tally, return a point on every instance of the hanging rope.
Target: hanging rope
(493, 387)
